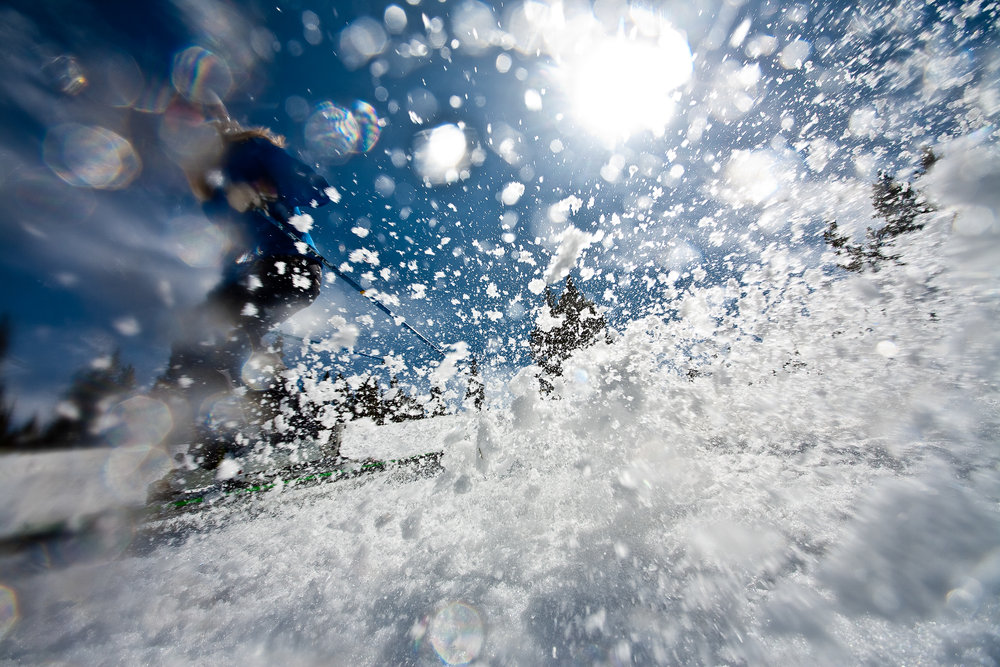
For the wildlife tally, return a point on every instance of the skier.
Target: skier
(270, 272)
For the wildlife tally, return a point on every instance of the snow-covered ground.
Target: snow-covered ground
(825, 491)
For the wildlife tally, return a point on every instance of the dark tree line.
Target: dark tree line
(306, 417)
(394, 404)
(12, 435)
(92, 392)
(899, 206)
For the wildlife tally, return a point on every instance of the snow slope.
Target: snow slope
(824, 491)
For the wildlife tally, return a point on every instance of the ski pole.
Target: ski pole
(315, 342)
(354, 284)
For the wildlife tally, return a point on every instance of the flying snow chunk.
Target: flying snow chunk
(887, 349)
(333, 194)
(561, 210)
(364, 255)
(227, 469)
(361, 41)
(536, 286)
(739, 34)
(302, 222)
(532, 100)
(344, 335)
(546, 321)
(573, 243)
(394, 19)
(512, 193)
(360, 232)
(821, 151)
(127, 326)
(449, 367)
(794, 55)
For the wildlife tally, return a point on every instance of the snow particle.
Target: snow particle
(512, 193)
(887, 349)
(127, 326)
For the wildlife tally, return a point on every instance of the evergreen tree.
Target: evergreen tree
(369, 401)
(579, 326)
(400, 406)
(11, 436)
(899, 205)
(435, 405)
(343, 401)
(92, 392)
(476, 391)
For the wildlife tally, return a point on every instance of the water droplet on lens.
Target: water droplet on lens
(457, 634)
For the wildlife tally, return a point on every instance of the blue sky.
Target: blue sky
(684, 139)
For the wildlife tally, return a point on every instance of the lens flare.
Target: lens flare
(200, 75)
(261, 370)
(457, 634)
(368, 125)
(138, 421)
(197, 242)
(186, 136)
(100, 541)
(222, 411)
(361, 41)
(66, 75)
(332, 132)
(90, 156)
(9, 612)
(128, 471)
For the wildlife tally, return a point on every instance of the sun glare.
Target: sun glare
(622, 86)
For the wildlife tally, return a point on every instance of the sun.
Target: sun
(622, 85)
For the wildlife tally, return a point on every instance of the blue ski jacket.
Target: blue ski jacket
(285, 185)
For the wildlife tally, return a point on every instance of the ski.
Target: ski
(298, 476)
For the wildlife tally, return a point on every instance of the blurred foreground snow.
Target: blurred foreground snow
(824, 490)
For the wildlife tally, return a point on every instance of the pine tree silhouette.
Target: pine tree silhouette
(399, 405)
(92, 392)
(580, 326)
(11, 437)
(899, 205)
(369, 401)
